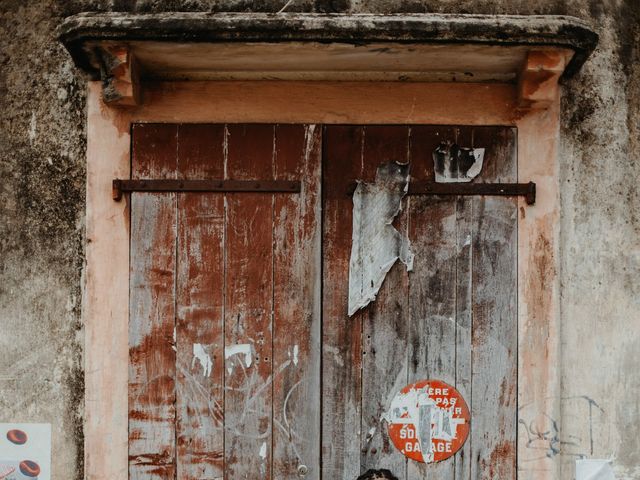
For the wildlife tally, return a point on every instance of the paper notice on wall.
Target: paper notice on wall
(594, 469)
(453, 163)
(376, 244)
(25, 451)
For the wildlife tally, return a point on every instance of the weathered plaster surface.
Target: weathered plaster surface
(42, 129)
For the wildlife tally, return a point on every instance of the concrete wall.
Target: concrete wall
(42, 129)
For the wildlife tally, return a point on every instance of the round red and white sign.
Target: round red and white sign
(428, 421)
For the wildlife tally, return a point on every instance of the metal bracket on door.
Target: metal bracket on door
(202, 186)
(527, 190)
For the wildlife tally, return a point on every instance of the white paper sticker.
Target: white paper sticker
(594, 469)
(25, 451)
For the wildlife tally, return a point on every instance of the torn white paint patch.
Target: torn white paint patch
(594, 469)
(240, 349)
(376, 244)
(263, 451)
(453, 163)
(202, 357)
(296, 350)
(173, 346)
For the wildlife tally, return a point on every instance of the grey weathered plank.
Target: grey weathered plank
(385, 323)
(494, 309)
(248, 307)
(432, 304)
(432, 231)
(152, 312)
(296, 320)
(464, 215)
(199, 308)
(342, 336)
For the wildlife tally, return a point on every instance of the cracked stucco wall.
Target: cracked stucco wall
(42, 144)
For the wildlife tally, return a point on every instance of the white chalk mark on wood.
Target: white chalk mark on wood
(594, 469)
(296, 350)
(201, 356)
(376, 244)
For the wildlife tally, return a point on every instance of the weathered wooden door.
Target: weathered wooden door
(452, 318)
(244, 363)
(224, 333)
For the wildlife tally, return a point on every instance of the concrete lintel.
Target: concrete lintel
(86, 33)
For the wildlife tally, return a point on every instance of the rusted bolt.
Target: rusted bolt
(374, 451)
(303, 470)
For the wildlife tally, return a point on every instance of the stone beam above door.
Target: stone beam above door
(421, 48)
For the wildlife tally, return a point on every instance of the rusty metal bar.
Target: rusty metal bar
(172, 185)
(527, 190)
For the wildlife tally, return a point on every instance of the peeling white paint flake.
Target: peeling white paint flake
(594, 469)
(453, 163)
(202, 357)
(173, 345)
(376, 244)
(263, 451)
(240, 349)
(370, 434)
(296, 350)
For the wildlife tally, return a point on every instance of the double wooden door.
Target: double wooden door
(244, 363)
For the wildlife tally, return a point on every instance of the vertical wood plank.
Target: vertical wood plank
(296, 321)
(494, 334)
(464, 215)
(341, 336)
(152, 307)
(385, 322)
(432, 284)
(199, 308)
(249, 307)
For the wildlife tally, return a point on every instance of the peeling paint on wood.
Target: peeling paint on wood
(376, 244)
(422, 324)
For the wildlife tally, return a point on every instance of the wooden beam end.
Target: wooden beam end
(538, 79)
(120, 77)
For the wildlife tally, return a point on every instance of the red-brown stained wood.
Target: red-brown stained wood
(248, 307)
(296, 320)
(385, 321)
(152, 283)
(199, 308)
(341, 336)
